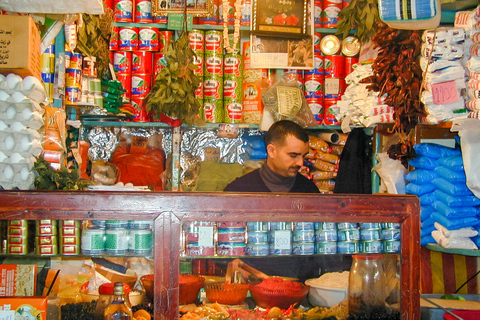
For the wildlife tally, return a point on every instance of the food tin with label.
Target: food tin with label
(231, 235)
(350, 46)
(233, 65)
(349, 62)
(231, 248)
(304, 235)
(46, 230)
(93, 241)
(369, 234)
(141, 85)
(128, 38)
(148, 39)
(348, 235)
(330, 110)
(326, 235)
(330, 14)
(213, 66)
(330, 45)
(98, 223)
(303, 247)
(70, 224)
(279, 252)
(326, 247)
(17, 223)
(317, 36)
(197, 40)
(391, 246)
(316, 106)
(257, 226)
(69, 240)
(313, 87)
(46, 250)
(73, 77)
(143, 11)
(347, 225)
(375, 246)
(46, 223)
(193, 249)
(326, 226)
(17, 240)
(391, 225)
(230, 224)
(72, 95)
(303, 226)
(159, 63)
(123, 10)
(166, 37)
(390, 234)
(213, 109)
(140, 241)
(233, 89)
(17, 249)
(233, 110)
(116, 241)
(274, 225)
(257, 249)
(348, 247)
(214, 42)
(213, 88)
(370, 225)
(140, 224)
(334, 66)
(257, 236)
(142, 62)
(45, 240)
(122, 62)
(69, 249)
(116, 223)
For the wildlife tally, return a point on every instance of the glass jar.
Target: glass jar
(106, 297)
(366, 287)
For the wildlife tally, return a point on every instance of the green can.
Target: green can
(233, 88)
(213, 110)
(233, 65)
(214, 41)
(213, 88)
(213, 65)
(140, 241)
(233, 110)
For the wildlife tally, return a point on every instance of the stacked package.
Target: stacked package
(360, 106)
(446, 202)
(20, 120)
(444, 83)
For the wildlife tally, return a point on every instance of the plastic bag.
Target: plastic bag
(454, 189)
(392, 173)
(427, 199)
(423, 163)
(421, 176)
(450, 175)
(453, 224)
(459, 212)
(425, 212)
(451, 201)
(433, 150)
(419, 189)
(454, 163)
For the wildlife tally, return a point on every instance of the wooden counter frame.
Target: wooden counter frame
(169, 209)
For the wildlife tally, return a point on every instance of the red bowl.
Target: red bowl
(278, 297)
(189, 286)
(233, 293)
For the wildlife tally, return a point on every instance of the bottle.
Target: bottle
(118, 309)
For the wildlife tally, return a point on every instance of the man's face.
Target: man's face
(287, 159)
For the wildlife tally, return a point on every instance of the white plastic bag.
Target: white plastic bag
(391, 173)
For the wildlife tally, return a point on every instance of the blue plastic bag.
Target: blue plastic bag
(421, 176)
(427, 239)
(426, 211)
(454, 189)
(458, 212)
(454, 202)
(428, 199)
(428, 223)
(454, 163)
(423, 163)
(419, 189)
(450, 175)
(427, 231)
(433, 150)
(454, 224)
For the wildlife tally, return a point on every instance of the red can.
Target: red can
(159, 63)
(317, 36)
(126, 80)
(124, 10)
(349, 62)
(334, 66)
(316, 106)
(165, 38)
(143, 11)
(213, 65)
(141, 85)
(213, 88)
(148, 39)
(319, 64)
(317, 13)
(161, 19)
(233, 111)
(141, 114)
(113, 44)
(122, 62)
(107, 4)
(213, 42)
(142, 62)
(128, 38)
(329, 112)
(334, 88)
(313, 87)
(330, 14)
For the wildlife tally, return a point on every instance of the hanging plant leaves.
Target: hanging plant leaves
(360, 13)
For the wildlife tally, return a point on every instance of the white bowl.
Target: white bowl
(322, 296)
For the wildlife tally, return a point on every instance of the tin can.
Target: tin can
(317, 13)
(17, 240)
(326, 247)
(148, 39)
(257, 237)
(159, 63)
(349, 62)
(141, 85)
(17, 224)
(193, 249)
(93, 241)
(280, 237)
(391, 225)
(116, 223)
(334, 88)
(326, 235)
(278, 252)
(230, 224)
(116, 241)
(69, 240)
(233, 89)
(372, 246)
(213, 65)
(214, 42)
(231, 235)
(304, 235)
(330, 45)
(347, 225)
(319, 64)
(331, 10)
(334, 66)
(317, 36)
(232, 65)
(140, 241)
(246, 13)
(197, 40)
(233, 110)
(390, 234)
(166, 37)
(300, 225)
(122, 62)
(128, 38)
(17, 249)
(257, 249)
(392, 246)
(95, 224)
(274, 225)
(350, 46)
(199, 93)
(325, 226)
(369, 234)
(46, 250)
(303, 247)
(213, 88)
(69, 249)
(73, 78)
(231, 248)
(192, 236)
(142, 62)
(348, 247)
(45, 223)
(123, 10)
(313, 87)
(46, 230)
(45, 240)
(213, 109)
(70, 232)
(348, 235)
(162, 19)
(143, 11)
(372, 225)
(140, 114)
(198, 60)
(330, 111)
(257, 226)
(316, 106)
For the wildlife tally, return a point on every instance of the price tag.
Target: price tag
(283, 240)
(444, 92)
(332, 86)
(7, 315)
(205, 236)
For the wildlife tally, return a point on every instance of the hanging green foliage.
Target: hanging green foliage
(362, 14)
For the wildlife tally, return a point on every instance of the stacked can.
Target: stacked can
(48, 69)
(257, 238)
(317, 13)
(280, 238)
(370, 241)
(46, 237)
(390, 234)
(123, 11)
(230, 238)
(91, 85)
(116, 237)
(17, 237)
(197, 43)
(143, 11)
(93, 238)
(142, 70)
(214, 18)
(113, 44)
(213, 107)
(122, 66)
(348, 236)
(140, 237)
(200, 238)
(330, 13)
(334, 70)
(69, 237)
(314, 81)
(233, 87)
(325, 237)
(350, 49)
(73, 77)
(303, 238)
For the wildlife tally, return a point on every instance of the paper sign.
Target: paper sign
(175, 21)
(205, 236)
(444, 92)
(7, 315)
(332, 86)
(283, 240)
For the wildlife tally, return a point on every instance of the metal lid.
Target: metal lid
(350, 46)
(330, 45)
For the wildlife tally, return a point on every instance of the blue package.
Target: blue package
(450, 175)
(454, 202)
(425, 212)
(427, 231)
(458, 212)
(428, 223)
(423, 163)
(454, 189)
(420, 176)
(427, 239)
(419, 189)
(427, 199)
(454, 224)
(454, 163)
(433, 150)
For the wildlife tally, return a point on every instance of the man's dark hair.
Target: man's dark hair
(283, 128)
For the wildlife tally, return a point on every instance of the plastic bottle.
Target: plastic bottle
(118, 309)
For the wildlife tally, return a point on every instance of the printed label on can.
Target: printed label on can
(390, 234)
(116, 223)
(303, 248)
(391, 225)
(140, 240)
(126, 81)
(141, 85)
(326, 235)
(194, 250)
(231, 235)
(233, 111)
(199, 92)
(258, 237)
(233, 89)
(274, 225)
(257, 249)
(116, 241)
(233, 65)
(348, 247)
(316, 39)
(279, 252)
(123, 10)
(334, 66)
(313, 88)
(330, 15)
(230, 249)
(369, 234)
(70, 249)
(214, 41)
(372, 246)
(114, 41)
(140, 114)
(213, 66)
(325, 226)
(372, 225)
(257, 226)
(73, 78)
(93, 241)
(303, 226)
(326, 247)
(166, 38)
(198, 61)
(148, 39)
(316, 106)
(72, 95)
(159, 63)
(122, 62)
(348, 235)
(197, 40)
(304, 235)
(213, 88)
(142, 62)
(347, 225)
(213, 110)
(143, 11)
(128, 39)
(392, 246)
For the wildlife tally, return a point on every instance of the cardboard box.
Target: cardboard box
(23, 308)
(18, 280)
(19, 46)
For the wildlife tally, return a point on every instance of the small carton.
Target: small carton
(23, 308)
(19, 46)
(17, 280)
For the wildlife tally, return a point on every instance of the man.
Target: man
(287, 145)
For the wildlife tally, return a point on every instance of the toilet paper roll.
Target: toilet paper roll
(33, 89)
(331, 137)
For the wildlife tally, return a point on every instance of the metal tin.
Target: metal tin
(116, 223)
(72, 95)
(304, 235)
(233, 110)
(330, 45)
(233, 65)
(348, 247)
(45, 240)
(17, 249)
(142, 62)
(231, 235)
(317, 13)
(213, 109)
(69, 241)
(213, 66)
(197, 40)
(148, 39)
(274, 225)
(166, 37)
(46, 250)
(319, 64)
(257, 226)
(316, 106)
(193, 249)
(73, 60)
(98, 223)
(140, 224)
(123, 10)
(373, 225)
(69, 249)
(317, 36)
(330, 15)
(17, 240)
(334, 66)
(325, 226)
(391, 225)
(390, 234)
(159, 63)
(303, 247)
(233, 89)
(46, 230)
(369, 234)
(348, 235)
(326, 235)
(93, 241)
(349, 62)
(350, 46)
(141, 85)
(257, 236)
(257, 249)
(213, 88)
(214, 42)
(278, 252)
(329, 111)
(114, 40)
(313, 87)
(372, 246)
(45, 223)
(70, 224)
(199, 96)
(326, 247)
(192, 236)
(70, 232)
(347, 225)
(143, 11)
(128, 38)
(392, 246)
(140, 241)
(231, 248)
(116, 241)
(303, 226)
(230, 224)
(140, 114)
(73, 77)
